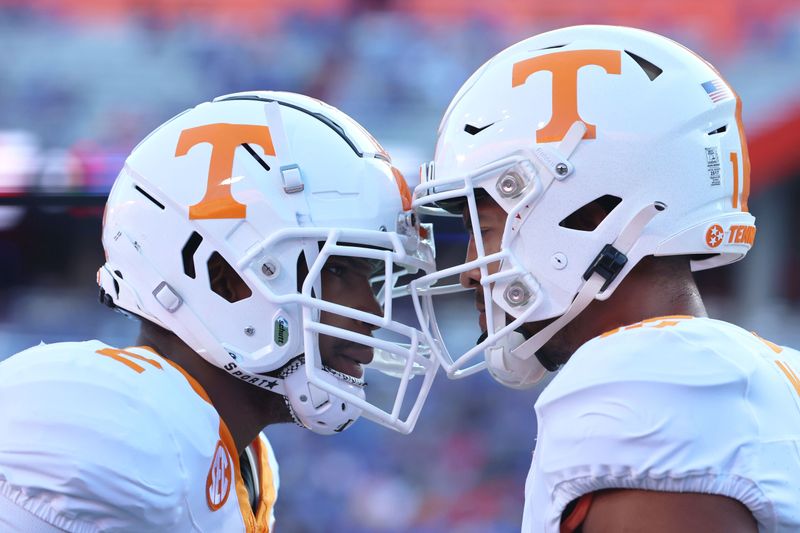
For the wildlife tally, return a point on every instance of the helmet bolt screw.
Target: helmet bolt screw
(517, 294)
(510, 185)
(269, 269)
(559, 261)
(249, 331)
(561, 169)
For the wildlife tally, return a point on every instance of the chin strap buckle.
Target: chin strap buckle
(167, 297)
(608, 263)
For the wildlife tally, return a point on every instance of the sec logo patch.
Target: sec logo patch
(218, 482)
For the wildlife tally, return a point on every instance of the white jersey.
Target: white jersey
(93, 438)
(675, 404)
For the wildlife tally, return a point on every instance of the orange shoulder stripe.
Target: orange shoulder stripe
(267, 489)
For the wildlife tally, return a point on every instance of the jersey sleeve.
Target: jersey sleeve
(87, 451)
(644, 409)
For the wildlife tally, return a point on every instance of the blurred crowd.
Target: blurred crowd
(89, 81)
(82, 82)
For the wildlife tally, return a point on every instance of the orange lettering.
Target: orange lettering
(742, 234)
(218, 201)
(750, 237)
(731, 233)
(564, 67)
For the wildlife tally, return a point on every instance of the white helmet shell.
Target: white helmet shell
(572, 116)
(259, 178)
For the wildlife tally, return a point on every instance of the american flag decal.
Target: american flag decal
(717, 90)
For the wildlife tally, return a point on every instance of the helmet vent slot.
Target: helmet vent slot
(188, 252)
(554, 46)
(721, 129)
(255, 156)
(319, 116)
(591, 215)
(650, 69)
(225, 281)
(474, 130)
(149, 197)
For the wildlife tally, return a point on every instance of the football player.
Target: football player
(246, 234)
(595, 168)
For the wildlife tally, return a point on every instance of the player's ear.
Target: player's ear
(225, 281)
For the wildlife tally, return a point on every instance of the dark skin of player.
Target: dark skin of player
(655, 287)
(247, 409)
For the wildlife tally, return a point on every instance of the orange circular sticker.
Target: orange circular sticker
(714, 236)
(218, 482)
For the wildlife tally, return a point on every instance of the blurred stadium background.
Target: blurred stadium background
(81, 82)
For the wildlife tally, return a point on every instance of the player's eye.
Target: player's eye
(336, 269)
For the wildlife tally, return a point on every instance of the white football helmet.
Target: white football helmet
(554, 123)
(263, 179)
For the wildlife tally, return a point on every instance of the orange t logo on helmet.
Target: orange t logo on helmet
(218, 201)
(564, 66)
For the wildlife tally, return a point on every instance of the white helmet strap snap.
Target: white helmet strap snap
(291, 174)
(167, 297)
(555, 161)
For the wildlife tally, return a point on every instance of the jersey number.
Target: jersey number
(126, 358)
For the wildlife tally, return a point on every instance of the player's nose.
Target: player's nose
(471, 278)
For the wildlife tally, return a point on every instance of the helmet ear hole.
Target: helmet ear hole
(302, 272)
(591, 215)
(225, 281)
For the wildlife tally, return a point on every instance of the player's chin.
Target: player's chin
(345, 365)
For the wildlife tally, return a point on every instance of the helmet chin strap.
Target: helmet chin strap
(315, 409)
(512, 363)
